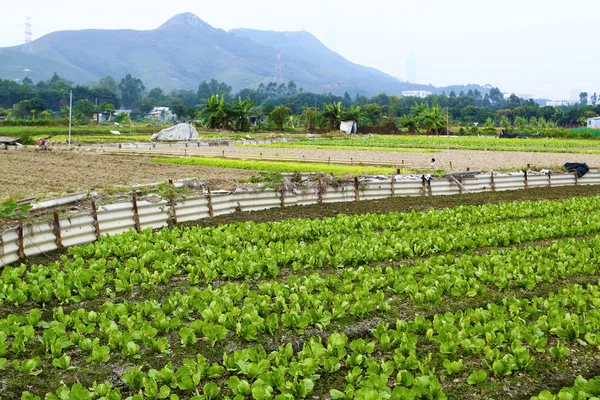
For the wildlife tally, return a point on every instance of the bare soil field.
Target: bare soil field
(460, 159)
(28, 172)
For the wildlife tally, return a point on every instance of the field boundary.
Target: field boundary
(35, 238)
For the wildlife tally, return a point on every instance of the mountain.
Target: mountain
(186, 50)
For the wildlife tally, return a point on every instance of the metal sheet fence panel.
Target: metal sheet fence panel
(509, 182)
(338, 195)
(77, 230)
(116, 218)
(10, 251)
(375, 190)
(192, 209)
(222, 204)
(257, 200)
(444, 187)
(38, 238)
(591, 178)
(153, 215)
(478, 183)
(563, 180)
(307, 197)
(408, 188)
(537, 181)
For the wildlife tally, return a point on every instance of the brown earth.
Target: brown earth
(28, 172)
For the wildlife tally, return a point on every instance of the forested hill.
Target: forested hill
(186, 50)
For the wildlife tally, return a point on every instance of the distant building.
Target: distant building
(559, 103)
(161, 114)
(100, 117)
(411, 68)
(593, 123)
(416, 93)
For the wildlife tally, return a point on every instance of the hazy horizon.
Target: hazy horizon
(535, 47)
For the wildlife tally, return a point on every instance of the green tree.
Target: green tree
(583, 98)
(332, 112)
(178, 109)
(409, 123)
(372, 114)
(83, 110)
(213, 87)
(192, 113)
(505, 123)
(147, 105)
(240, 111)
(108, 108)
(131, 89)
(28, 108)
(217, 112)
(158, 96)
(279, 116)
(109, 84)
(310, 118)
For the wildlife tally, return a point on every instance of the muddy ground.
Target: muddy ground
(28, 172)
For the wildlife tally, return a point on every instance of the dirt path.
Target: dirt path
(28, 172)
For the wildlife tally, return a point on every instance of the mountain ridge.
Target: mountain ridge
(185, 50)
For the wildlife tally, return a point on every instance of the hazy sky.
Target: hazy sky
(547, 48)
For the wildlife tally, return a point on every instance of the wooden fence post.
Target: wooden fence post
(282, 194)
(492, 184)
(136, 214)
(429, 187)
(56, 229)
(393, 188)
(21, 252)
(423, 189)
(549, 178)
(172, 211)
(525, 179)
(356, 189)
(320, 191)
(95, 217)
(211, 212)
(576, 178)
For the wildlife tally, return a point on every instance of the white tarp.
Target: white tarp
(176, 133)
(348, 126)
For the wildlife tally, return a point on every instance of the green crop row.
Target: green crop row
(398, 143)
(277, 166)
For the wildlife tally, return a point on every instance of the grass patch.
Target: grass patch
(277, 166)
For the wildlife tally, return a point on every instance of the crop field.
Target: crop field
(488, 301)
(399, 143)
(275, 166)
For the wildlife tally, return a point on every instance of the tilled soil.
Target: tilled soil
(460, 159)
(28, 172)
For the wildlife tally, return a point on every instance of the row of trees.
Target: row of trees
(49, 99)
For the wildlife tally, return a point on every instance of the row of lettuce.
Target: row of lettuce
(254, 285)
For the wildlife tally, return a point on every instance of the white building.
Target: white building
(161, 114)
(416, 93)
(593, 123)
(560, 103)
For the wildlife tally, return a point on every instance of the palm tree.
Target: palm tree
(410, 123)
(333, 113)
(217, 112)
(240, 111)
(352, 113)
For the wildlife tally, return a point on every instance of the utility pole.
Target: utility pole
(70, 115)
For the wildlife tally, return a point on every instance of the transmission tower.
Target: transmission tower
(278, 68)
(28, 34)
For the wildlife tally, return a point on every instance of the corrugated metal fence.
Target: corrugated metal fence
(30, 239)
